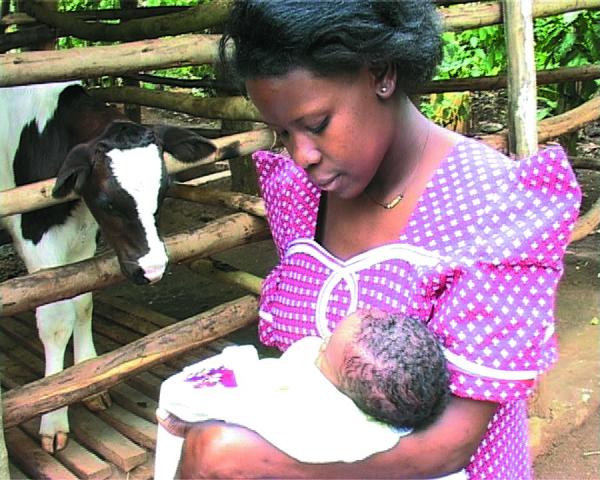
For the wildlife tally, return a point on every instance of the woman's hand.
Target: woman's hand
(219, 450)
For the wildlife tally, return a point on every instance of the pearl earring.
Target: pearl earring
(383, 89)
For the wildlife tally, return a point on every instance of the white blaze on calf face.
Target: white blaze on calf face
(139, 172)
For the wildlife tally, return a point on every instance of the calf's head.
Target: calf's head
(122, 178)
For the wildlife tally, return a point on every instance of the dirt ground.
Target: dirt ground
(576, 456)
(182, 293)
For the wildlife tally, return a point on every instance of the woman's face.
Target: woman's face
(337, 128)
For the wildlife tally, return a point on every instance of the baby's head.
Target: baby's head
(391, 366)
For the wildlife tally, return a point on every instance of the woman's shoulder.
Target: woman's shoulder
(291, 199)
(502, 205)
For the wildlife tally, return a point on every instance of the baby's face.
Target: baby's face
(336, 347)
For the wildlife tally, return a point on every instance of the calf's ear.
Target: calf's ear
(74, 172)
(184, 145)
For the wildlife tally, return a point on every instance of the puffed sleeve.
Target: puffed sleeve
(496, 316)
(291, 200)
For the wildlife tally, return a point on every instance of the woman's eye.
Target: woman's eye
(320, 127)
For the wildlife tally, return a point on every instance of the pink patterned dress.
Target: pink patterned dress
(479, 262)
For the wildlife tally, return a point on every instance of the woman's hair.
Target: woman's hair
(395, 371)
(273, 37)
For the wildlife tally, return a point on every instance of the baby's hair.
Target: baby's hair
(274, 37)
(395, 371)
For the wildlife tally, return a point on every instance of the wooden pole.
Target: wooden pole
(20, 18)
(555, 126)
(586, 224)
(50, 285)
(75, 63)
(239, 201)
(227, 274)
(481, 14)
(544, 77)
(194, 19)
(522, 95)
(235, 108)
(39, 195)
(95, 375)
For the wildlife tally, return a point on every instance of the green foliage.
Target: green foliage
(473, 53)
(187, 72)
(571, 39)
(568, 40)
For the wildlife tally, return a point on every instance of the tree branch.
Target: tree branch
(232, 108)
(194, 19)
(76, 63)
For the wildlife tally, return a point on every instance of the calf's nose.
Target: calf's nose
(154, 264)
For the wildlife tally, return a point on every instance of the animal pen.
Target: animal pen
(141, 347)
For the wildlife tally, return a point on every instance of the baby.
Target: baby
(374, 380)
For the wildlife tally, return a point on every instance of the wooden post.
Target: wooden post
(133, 112)
(522, 95)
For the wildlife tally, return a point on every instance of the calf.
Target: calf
(117, 168)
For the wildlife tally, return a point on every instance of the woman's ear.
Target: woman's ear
(384, 79)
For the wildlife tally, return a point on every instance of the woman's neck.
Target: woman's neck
(408, 149)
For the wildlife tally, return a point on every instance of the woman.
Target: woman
(380, 208)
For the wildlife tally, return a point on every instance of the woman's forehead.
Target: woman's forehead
(297, 94)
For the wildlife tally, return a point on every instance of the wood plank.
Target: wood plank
(116, 302)
(30, 457)
(136, 323)
(83, 463)
(97, 435)
(13, 374)
(135, 402)
(144, 472)
(138, 429)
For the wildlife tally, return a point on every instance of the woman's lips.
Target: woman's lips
(327, 183)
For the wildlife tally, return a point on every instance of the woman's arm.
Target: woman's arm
(218, 450)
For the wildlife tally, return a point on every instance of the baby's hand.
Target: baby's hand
(172, 424)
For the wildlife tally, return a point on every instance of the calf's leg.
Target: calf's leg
(55, 323)
(83, 346)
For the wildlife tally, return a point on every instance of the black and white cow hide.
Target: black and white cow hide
(117, 168)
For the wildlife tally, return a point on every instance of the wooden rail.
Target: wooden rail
(46, 286)
(38, 195)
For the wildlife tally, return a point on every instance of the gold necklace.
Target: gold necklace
(394, 202)
(388, 206)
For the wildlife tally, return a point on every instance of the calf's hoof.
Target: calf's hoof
(97, 402)
(55, 443)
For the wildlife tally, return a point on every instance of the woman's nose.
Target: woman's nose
(305, 153)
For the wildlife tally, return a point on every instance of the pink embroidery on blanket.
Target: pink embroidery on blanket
(214, 376)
